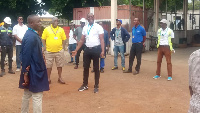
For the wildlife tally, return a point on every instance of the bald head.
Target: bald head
(31, 18)
(54, 22)
(34, 22)
(90, 18)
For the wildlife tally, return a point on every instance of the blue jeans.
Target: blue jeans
(119, 49)
(72, 47)
(102, 63)
(18, 50)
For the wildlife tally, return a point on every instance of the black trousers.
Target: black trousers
(136, 51)
(4, 51)
(78, 54)
(88, 55)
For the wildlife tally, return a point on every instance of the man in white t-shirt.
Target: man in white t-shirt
(72, 42)
(165, 48)
(18, 31)
(93, 34)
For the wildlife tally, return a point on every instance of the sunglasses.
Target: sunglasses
(20, 18)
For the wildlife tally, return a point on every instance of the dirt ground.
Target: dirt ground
(118, 92)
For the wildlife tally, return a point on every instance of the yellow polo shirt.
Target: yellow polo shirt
(54, 38)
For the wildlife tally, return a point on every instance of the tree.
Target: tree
(13, 8)
(196, 5)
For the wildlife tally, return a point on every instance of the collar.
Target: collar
(19, 25)
(53, 27)
(119, 28)
(165, 29)
(4, 27)
(137, 26)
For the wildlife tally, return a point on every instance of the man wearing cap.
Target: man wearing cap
(138, 39)
(120, 36)
(54, 39)
(77, 36)
(18, 31)
(165, 48)
(6, 43)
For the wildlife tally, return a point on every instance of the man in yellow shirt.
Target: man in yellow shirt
(53, 40)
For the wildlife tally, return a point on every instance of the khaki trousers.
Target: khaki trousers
(164, 51)
(37, 101)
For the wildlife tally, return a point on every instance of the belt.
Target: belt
(93, 47)
(164, 45)
(137, 42)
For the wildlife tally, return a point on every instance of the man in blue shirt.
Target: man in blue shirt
(6, 43)
(138, 39)
(120, 36)
(33, 78)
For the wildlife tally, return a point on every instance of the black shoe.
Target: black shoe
(92, 71)
(2, 73)
(135, 72)
(128, 71)
(11, 72)
(102, 70)
(96, 90)
(83, 87)
(71, 62)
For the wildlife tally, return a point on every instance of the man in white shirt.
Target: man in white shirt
(18, 31)
(93, 34)
(72, 42)
(165, 48)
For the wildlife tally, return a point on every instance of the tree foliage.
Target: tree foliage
(13, 8)
(196, 5)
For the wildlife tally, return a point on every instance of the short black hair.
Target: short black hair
(19, 16)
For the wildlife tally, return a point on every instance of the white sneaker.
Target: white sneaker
(17, 70)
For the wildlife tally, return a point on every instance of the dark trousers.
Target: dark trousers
(164, 51)
(4, 50)
(136, 51)
(88, 55)
(78, 54)
(18, 50)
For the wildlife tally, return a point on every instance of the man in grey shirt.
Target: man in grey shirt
(78, 34)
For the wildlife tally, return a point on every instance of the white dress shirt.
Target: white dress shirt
(92, 34)
(19, 31)
(164, 36)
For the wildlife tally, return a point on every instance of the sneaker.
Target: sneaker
(11, 72)
(169, 78)
(96, 90)
(114, 68)
(102, 70)
(71, 62)
(135, 72)
(2, 73)
(18, 69)
(123, 69)
(156, 77)
(76, 67)
(83, 87)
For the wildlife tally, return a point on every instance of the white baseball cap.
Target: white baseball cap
(164, 21)
(82, 20)
(7, 20)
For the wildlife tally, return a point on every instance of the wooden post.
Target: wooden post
(113, 21)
